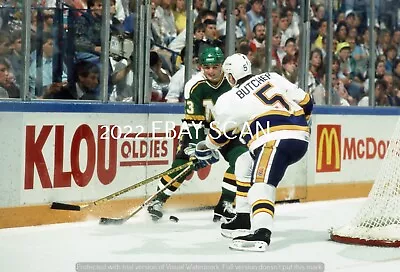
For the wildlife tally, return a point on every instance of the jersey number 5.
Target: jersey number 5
(276, 100)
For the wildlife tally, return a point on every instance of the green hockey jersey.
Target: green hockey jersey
(200, 97)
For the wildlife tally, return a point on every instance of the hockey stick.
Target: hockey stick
(70, 207)
(119, 221)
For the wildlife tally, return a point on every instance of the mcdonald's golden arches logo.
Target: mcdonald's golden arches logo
(329, 148)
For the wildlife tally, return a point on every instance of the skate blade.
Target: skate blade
(235, 233)
(251, 246)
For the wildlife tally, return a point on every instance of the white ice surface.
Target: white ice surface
(300, 235)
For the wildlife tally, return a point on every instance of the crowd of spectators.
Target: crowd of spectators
(350, 82)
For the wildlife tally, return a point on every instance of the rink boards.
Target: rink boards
(78, 152)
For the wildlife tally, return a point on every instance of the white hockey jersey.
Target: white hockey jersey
(265, 107)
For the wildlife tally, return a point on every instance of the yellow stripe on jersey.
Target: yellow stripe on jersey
(277, 128)
(195, 85)
(277, 112)
(190, 117)
(305, 100)
(262, 164)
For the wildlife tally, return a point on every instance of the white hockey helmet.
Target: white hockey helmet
(237, 65)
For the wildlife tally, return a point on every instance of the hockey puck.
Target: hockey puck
(174, 218)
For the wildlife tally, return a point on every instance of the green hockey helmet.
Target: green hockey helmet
(212, 56)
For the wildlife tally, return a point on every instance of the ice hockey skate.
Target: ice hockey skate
(155, 209)
(238, 226)
(223, 212)
(257, 242)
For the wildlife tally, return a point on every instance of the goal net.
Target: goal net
(378, 221)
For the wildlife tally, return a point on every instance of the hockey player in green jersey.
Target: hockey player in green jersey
(201, 93)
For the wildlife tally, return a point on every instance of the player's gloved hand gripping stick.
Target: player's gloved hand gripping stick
(201, 158)
(205, 155)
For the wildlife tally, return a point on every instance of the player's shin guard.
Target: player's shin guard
(224, 208)
(155, 208)
(262, 199)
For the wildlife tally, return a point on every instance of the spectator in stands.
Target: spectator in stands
(316, 21)
(381, 98)
(317, 65)
(316, 76)
(341, 96)
(179, 42)
(390, 54)
(179, 9)
(177, 83)
(392, 93)
(241, 28)
(243, 21)
(347, 65)
(383, 41)
(36, 90)
(350, 19)
(210, 30)
(395, 41)
(276, 48)
(198, 5)
(289, 68)
(322, 27)
(130, 20)
(293, 22)
(341, 32)
(15, 56)
(48, 20)
(380, 72)
(396, 73)
(275, 17)
(160, 78)
(4, 44)
(4, 70)
(8, 88)
(284, 28)
(353, 33)
(165, 15)
(116, 26)
(254, 15)
(291, 48)
(88, 32)
(258, 42)
(87, 82)
(360, 55)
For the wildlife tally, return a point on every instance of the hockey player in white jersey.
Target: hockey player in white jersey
(272, 115)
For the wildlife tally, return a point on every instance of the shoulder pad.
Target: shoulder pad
(192, 83)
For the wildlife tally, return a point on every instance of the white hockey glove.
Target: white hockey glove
(205, 155)
(190, 151)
